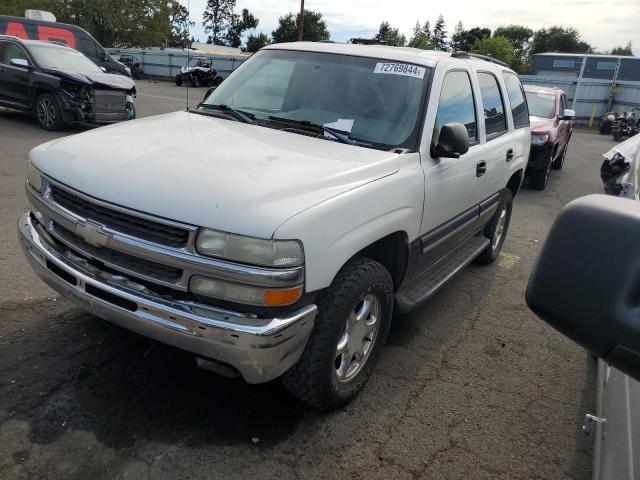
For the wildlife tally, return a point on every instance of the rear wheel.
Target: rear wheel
(48, 112)
(195, 81)
(496, 230)
(354, 315)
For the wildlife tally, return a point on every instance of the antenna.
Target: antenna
(188, 45)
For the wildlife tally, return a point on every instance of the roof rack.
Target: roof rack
(462, 54)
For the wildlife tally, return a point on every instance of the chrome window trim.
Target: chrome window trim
(186, 258)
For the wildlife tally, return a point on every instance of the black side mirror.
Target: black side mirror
(450, 142)
(586, 281)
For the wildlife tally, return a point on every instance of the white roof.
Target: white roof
(427, 58)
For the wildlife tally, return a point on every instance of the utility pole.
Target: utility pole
(301, 26)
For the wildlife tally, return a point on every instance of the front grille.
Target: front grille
(108, 105)
(116, 259)
(121, 222)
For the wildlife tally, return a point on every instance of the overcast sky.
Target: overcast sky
(603, 24)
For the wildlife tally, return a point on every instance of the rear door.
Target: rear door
(15, 81)
(564, 127)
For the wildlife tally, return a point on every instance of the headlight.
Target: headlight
(254, 251)
(34, 178)
(245, 294)
(539, 139)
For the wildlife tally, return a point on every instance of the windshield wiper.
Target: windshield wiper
(238, 114)
(337, 134)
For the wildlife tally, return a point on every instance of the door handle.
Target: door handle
(509, 154)
(481, 168)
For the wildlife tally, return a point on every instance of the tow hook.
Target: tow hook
(591, 422)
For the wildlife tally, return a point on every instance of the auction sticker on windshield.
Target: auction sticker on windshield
(400, 69)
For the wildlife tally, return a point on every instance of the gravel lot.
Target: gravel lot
(470, 386)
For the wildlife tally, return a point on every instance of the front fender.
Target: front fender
(335, 230)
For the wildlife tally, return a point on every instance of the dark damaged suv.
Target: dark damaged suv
(60, 85)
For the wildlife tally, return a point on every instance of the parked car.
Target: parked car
(60, 85)
(551, 129)
(197, 72)
(273, 230)
(71, 35)
(585, 284)
(133, 65)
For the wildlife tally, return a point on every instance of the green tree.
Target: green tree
(520, 38)
(465, 39)
(498, 47)
(391, 36)
(421, 37)
(238, 24)
(256, 42)
(180, 23)
(559, 39)
(216, 19)
(314, 29)
(457, 37)
(439, 35)
(625, 51)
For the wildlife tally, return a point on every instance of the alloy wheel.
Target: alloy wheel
(46, 112)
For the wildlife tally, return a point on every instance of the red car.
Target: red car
(551, 128)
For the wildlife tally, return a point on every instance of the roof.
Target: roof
(403, 54)
(34, 42)
(588, 55)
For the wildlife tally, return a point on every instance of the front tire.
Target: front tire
(179, 79)
(354, 316)
(496, 229)
(48, 112)
(538, 180)
(559, 162)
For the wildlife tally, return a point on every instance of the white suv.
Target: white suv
(273, 230)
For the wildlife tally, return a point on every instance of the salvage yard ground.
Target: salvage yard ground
(470, 386)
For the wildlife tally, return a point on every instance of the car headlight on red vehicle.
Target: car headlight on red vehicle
(539, 139)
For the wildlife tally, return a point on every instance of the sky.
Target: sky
(604, 24)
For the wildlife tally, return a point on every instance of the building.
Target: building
(587, 66)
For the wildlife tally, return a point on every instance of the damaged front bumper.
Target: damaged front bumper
(100, 106)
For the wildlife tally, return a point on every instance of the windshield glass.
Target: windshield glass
(62, 58)
(375, 101)
(541, 104)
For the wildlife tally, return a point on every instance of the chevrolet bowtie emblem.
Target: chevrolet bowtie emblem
(92, 233)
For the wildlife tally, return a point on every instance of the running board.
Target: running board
(421, 288)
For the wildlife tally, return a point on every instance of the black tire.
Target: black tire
(217, 81)
(179, 79)
(616, 135)
(48, 112)
(539, 179)
(496, 230)
(315, 378)
(605, 127)
(195, 81)
(558, 163)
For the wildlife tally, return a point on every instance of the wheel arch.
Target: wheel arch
(392, 251)
(515, 182)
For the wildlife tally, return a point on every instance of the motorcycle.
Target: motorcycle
(624, 125)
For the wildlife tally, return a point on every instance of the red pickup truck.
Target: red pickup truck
(551, 128)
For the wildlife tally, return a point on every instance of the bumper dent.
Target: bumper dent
(259, 349)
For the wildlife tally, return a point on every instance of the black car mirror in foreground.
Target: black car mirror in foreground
(451, 142)
(586, 280)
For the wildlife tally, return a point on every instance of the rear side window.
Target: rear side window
(494, 118)
(88, 47)
(456, 103)
(515, 92)
(13, 51)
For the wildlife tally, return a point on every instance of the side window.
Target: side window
(563, 103)
(456, 103)
(519, 108)
(88, 47)
(11, 51)
(494, 118)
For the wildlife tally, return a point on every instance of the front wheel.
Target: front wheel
(354, 315)
(496, 229)
(558, 163)
(48, 112)
(178, 79)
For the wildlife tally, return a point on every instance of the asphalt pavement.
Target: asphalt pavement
(470, 386)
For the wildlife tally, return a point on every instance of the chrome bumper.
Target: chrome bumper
(259, 349)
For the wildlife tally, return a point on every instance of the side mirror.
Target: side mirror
(20, 62)
(568, 114)
(586, 280)
(450, 142)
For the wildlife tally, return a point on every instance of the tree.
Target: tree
(216, 19)
(180, 23)
(256, 42)
(520, 38)
(625, 51)
(315, 28)
(391, 36)
(498, 47)
(421, 37)
(558, 39)
(439, 35)
(457, 37)
(237, 25)
(465, 39)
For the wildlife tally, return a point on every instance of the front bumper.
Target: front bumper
(539, 155)
(259, 349)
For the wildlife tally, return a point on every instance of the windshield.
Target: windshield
(62, 58)
(541, 104)
(374, 101)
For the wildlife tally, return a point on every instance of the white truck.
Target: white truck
(274, 229)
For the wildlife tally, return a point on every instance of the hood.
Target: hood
(96, 79)
(540, 124)
(210, 172)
